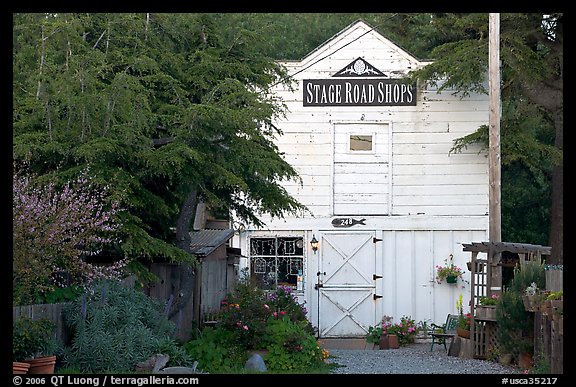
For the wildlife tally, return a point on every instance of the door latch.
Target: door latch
(376, 296)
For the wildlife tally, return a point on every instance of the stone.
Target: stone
(153, 363)
(255, 363)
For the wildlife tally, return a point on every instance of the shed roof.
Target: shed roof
(204, 242)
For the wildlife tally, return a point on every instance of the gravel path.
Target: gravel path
(411, 359)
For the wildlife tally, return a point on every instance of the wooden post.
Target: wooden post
(494, 212)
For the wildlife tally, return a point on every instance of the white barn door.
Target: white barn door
(361, 169)
(347, 302)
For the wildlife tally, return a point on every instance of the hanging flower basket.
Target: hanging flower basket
(449, 272)
(532, 303)
(486, 312)
(479, 267)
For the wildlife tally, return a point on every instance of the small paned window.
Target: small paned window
(276, 261)
(360, 142)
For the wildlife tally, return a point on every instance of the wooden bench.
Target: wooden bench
(440, 333)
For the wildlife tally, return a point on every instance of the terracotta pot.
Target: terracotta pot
(393, 341)
(525, 360)
(42, 365)
(463, 333)
(19, 368)
(384, 342)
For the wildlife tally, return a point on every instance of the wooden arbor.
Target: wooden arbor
(486, 280)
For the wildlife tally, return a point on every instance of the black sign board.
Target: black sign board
(358, 92)
(347, 222)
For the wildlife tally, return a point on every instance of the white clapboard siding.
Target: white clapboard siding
(440, 190)
(422, 200)
(435, 159)
(409, 267)
(421, 169)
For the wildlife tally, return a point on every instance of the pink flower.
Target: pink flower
(266, 306)
(282, 313)
(245, 327)
(275, 314)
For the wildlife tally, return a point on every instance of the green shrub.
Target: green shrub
(515, 324)
(114, 328)
(251, 319)
(216, 351)
(291, 347)
(374, 333)
(32, 338)
(247, 309)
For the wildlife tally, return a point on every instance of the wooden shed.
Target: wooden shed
(389, 201)
(217, 273)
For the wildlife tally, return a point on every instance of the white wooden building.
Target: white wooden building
(389, 202)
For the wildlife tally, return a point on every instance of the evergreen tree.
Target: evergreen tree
(166, 109)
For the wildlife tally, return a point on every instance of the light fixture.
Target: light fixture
(314, 244)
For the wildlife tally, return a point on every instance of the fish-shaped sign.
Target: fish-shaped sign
(347, 222)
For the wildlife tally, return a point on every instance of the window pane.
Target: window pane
(360, 142)
(276, 261)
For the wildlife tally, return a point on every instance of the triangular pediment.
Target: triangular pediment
(359, 68)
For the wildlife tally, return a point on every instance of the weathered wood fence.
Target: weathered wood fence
(549, 325)
(53, 312)
(549, 340)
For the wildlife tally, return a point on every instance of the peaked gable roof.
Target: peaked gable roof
(352, 33)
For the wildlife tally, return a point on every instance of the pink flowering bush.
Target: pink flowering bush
(405, 329)
(492, 300)
(56, 230)
(249, 310)
(252, 319)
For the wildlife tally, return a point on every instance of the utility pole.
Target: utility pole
(494, 207)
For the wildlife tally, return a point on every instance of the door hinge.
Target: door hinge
(377, 296)
(375, 277)
(374, 240)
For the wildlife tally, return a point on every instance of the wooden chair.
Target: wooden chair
(440, 333)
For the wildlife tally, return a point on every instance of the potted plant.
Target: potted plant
(464, 320)
(449, 272)
(486, 308)
(389, 339)
(33, 343)
(553, 303)
(532, 298)
(374, 334)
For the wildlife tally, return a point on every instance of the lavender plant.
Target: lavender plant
(56, 230)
